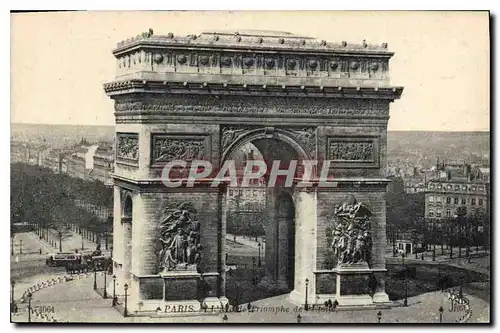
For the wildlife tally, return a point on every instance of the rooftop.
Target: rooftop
(259, 39)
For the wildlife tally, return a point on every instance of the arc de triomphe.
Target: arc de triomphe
(294, 97)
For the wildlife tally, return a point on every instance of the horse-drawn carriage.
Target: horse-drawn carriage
(80, 263)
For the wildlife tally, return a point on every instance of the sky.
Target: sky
(59, 61)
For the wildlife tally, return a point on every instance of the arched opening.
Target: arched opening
(127, 208)
(126, 260)
(260, 224)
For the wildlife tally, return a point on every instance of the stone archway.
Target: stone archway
(279, 225)
(202, 97)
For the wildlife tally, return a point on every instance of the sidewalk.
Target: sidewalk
(76, 301)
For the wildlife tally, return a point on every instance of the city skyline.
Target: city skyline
(449, 93)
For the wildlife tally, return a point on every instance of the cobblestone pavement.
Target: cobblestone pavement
(76, 301)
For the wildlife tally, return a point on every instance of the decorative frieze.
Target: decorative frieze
(192, 61)
(217, 53)
(257, 105)
(166, 148)
(127, 146)
(353, 152)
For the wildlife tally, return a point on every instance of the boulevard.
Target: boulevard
(76, 300)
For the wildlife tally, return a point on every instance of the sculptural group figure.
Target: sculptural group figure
(352, 242)
(180, 238)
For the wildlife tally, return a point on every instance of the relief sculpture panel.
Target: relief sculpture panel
(179, 239)
(166, 148)
(352, 152)
(307, 139)
(127, 146)
(230, 134)
(352, 241)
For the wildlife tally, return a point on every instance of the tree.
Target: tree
(461, 218)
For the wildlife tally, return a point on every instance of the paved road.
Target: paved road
(76, 302)
(248, 241)
(29, 268)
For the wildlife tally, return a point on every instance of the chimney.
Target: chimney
(250, 155)
(468, 173)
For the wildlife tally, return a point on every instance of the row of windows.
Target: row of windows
(456, 187)
(251, 193)
(456, 201)
(439, 213)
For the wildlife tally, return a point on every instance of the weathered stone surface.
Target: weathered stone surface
(327, 200)
(127, 146)
(210, 95)
(151, 288)
(255, 105)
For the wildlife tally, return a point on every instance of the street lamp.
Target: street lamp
(82, 241)
(406, 281)
(114, 291)
(95, 278)
(105, 293)
(379, 316)
(254, 280)
(12, 302)
(29, 306)
(259, 264)
(306, 306)
(125, 313)
(441, 314)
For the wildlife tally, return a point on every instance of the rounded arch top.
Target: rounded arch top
(267, 133)
(127, 206)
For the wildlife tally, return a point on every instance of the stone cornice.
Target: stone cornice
(209, 88)
(243, 41)
(340, 184)
(269, 58)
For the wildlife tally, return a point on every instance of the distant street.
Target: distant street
(251, 246)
